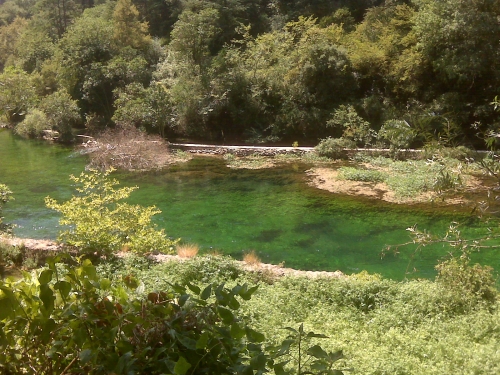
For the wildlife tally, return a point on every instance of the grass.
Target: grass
(254, 161)
(365, 175)
(410, 178)
(188, 250)
(251, 258)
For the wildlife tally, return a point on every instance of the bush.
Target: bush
(435, 151)
(33, 125)
(397, 133)
(333, 148)
(77, 322)
(100, 223)
(364, 175)
(62, 114)
(356, 129)
(468, 280)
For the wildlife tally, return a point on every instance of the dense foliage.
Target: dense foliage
(74, 321)
(384, 327)
(268, 70)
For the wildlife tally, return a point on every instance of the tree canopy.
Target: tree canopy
(257, 70)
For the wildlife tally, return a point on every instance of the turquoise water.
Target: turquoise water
(272, 211)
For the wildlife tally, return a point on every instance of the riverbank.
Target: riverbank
(43, 248)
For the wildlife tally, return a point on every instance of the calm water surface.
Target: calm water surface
(272, 211)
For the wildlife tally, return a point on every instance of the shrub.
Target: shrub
(62, 113)
(33, 125)
(364, 175)
(397, 133)
(75, 321)
(468, 280)
(356, 129)
(333, 148)
(100, 223)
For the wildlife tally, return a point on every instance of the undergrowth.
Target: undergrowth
(383, 326)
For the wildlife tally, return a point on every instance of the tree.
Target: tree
(9, 35)
(18, 93)
(101, 223)
(32, 49)
(62, 114)
(127, 29)
(55, 16)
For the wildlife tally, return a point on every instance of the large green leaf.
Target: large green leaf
(45, 277)
(225, 314)
(181, 366)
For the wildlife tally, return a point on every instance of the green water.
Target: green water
(272, 211)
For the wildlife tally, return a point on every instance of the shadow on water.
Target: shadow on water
(271, 211)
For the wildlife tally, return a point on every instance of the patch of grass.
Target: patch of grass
(188, 250)
(410, 178)
(364, 175)
(254, 161)
(251, 258)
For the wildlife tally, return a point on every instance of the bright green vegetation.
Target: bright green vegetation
(413, 177)
(101, 223)
(72, 320)
(399, 73)
(382, 326)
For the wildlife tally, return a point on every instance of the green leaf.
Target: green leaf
(63, 287)
(47, 329)
(333, 357)
(202, 341)
(236, 331)
(258, 362)
(47, 296)
(183, 299)
(193, 288)
(246, 295)
(6, 307)
(285, 347)
(187, 342)
(181, 366)
(85, 356)
(254, 336)
(233, 303)
(317, 351)
(225, 314)
(45, 277)
(207, 292)
(104, 284)
(317, 335)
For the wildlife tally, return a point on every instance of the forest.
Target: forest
(255, 71)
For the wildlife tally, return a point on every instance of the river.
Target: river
(272, 211)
